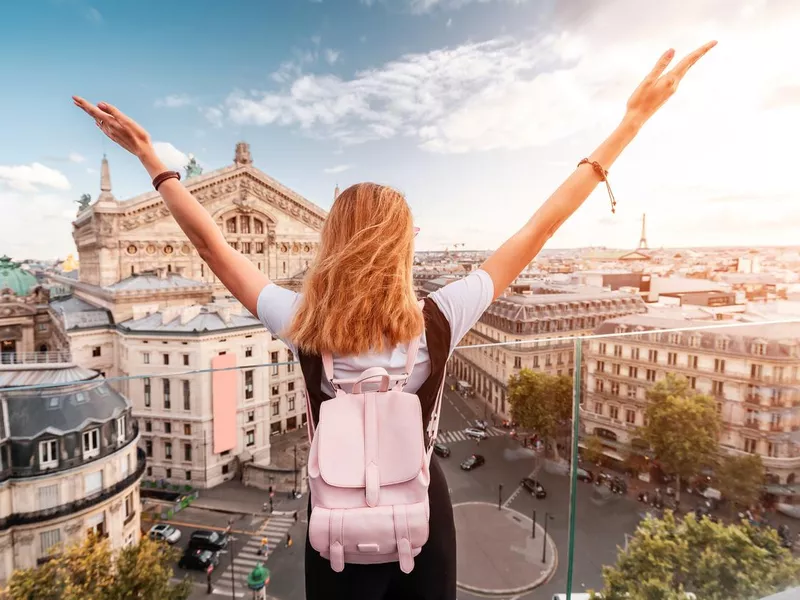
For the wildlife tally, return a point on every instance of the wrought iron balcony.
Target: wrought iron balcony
(75, 506)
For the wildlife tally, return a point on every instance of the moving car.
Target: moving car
(481, 424)
(534, 487)
(441, 450)
(198, 559)
(162, 532)
(473, 462)
(208, 540)
(474, 432)
(585, 475)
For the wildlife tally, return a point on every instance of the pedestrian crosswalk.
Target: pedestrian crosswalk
(274, 530)
(451, 437)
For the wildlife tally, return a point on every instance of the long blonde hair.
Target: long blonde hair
(358, 294)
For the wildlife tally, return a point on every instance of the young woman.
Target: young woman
(359, 304)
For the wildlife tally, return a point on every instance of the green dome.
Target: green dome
(11, 276)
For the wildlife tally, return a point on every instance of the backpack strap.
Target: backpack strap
(433, 422)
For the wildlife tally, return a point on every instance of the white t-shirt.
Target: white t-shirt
(462, 302)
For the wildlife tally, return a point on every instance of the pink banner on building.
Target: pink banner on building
(223, 398)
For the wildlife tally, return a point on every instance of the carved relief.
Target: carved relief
(74, 527)
(24, 539)
(5, 544)
(114, 508)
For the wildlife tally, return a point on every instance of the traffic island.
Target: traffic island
(497, 554)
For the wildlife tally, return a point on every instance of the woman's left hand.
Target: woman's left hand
(117, 126)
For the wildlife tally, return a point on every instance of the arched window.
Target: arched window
(232, 225)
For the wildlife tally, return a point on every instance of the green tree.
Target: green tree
(668, 557)
(741, 478)
(91, 569)
(682, 428)
(594, 449)
(541, 403)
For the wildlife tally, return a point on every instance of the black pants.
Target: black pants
(434, 574)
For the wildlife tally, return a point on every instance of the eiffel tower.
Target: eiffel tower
(643, 239)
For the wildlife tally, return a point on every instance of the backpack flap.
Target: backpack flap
(396, 449)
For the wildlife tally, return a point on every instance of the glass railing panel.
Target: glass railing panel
(686, 432)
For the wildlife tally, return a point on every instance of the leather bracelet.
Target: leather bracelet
(162, 177)
(603, 174)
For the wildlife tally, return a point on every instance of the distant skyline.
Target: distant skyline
(475, 109)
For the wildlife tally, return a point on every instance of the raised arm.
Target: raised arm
(234, 270)
(507, 262)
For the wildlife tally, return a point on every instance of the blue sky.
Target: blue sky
(476, 109)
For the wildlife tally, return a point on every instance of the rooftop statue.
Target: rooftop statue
(193, 168)
(84, 202)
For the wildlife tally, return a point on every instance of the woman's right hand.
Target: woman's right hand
(117, 126)
(658, 86)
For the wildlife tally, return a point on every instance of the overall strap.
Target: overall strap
(433, 422)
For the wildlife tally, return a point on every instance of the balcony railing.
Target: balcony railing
(32, 358)
(75, 506)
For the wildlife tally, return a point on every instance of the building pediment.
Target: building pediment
(245, 187)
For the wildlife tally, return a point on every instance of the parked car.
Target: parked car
(474, 432)
(198, 559)
(441, 450)
(164, 533)
(534, 487)
(208, 540)
(585, 475)
(473, 462)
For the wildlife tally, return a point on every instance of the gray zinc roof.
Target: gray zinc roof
(209, 318)
(147, 281)
(79, 314)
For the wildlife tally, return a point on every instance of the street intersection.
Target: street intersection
(601, 525)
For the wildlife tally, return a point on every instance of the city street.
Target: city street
(600, 528)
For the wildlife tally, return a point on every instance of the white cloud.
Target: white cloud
(424, 6)
(449, 22)
(214, 114)
(49, 214)
(173, 101)
(91, 171)
(170, 155)
(29, 178)
(331, 55)
(337, 169)
(315, 39)
(75, 157)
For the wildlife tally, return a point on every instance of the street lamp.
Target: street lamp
(499, 496)
(547, 517)
(533, 526)
(294, 491)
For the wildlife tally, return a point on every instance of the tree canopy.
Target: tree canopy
(540, 402)
(668, 557)
(682, 428)
(91, 569)
(741, 478)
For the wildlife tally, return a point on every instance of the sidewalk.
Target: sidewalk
(496, 554)
(236, 498)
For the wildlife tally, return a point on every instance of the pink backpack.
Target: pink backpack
(369, 470)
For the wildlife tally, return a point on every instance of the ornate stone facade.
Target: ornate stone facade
(275, 227)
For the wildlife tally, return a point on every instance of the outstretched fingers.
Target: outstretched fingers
(679, 70)
(89, 108)
(662, 64)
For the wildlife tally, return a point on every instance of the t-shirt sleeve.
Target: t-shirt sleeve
(276, 307)
(463, 302)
